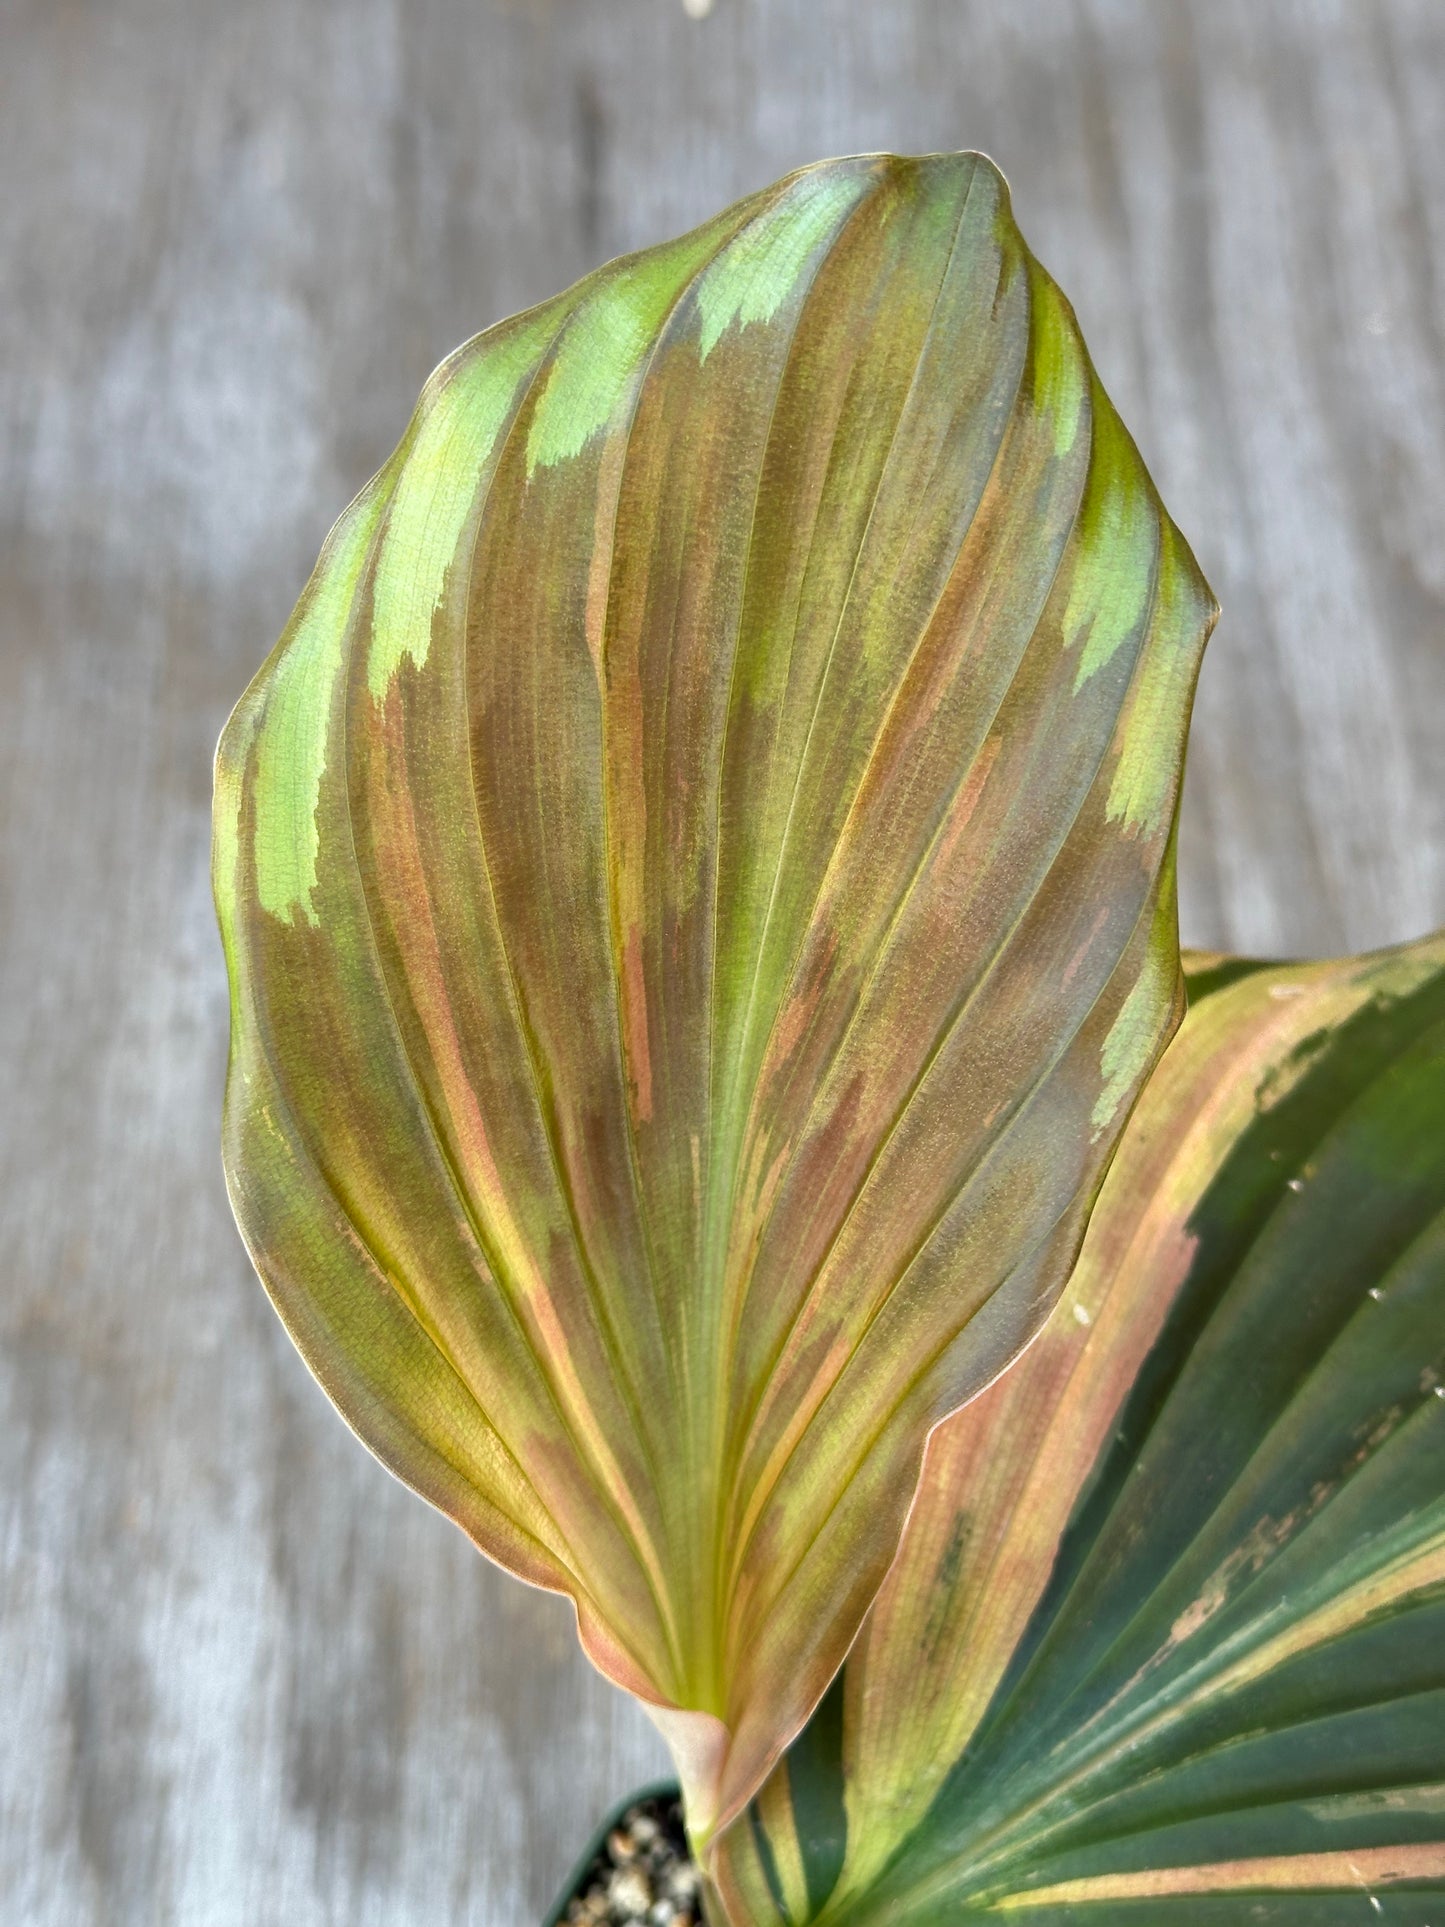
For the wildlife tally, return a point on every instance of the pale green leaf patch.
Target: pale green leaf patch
(606, 345)
(292, 738)
(457, 429)
(1117, 534)
(1141, 792)
(755, 274)
(1060, 373)
(1133, 1038)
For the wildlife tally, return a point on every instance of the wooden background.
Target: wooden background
(245, 1680)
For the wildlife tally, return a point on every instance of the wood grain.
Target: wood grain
(246, 1681)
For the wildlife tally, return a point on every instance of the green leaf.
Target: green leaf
(696, 878)
(1165, 1639)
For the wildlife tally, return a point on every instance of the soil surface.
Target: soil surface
(643, 1876)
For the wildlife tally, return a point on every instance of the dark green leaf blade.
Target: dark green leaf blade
(1166, 1636)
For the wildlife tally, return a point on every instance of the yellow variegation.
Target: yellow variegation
(1165, 1639)
(696, 878)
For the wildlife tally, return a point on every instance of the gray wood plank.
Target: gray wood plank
(246, 1681)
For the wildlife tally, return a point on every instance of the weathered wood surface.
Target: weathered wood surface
(246, 1681)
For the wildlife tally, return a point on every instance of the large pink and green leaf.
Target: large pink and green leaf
(1165, 1640)
(696, 878)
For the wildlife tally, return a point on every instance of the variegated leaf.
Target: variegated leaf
(1165, 1640)
(696, 881)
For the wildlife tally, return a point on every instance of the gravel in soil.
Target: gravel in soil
(643, 1876)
